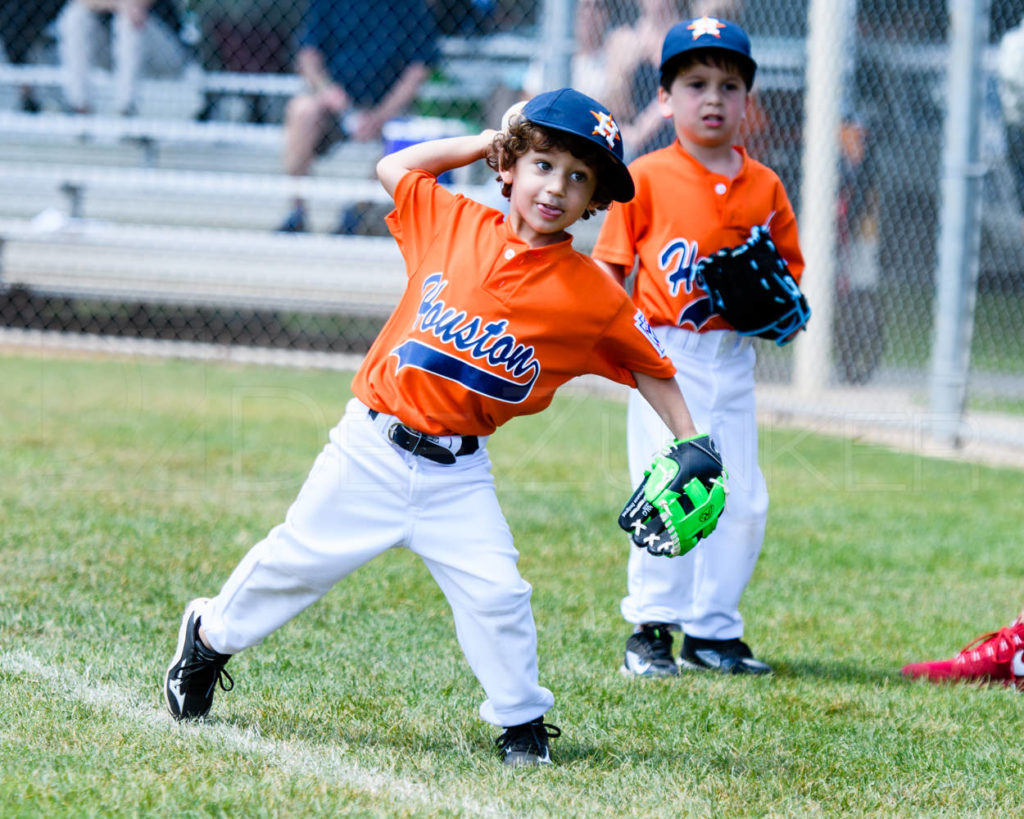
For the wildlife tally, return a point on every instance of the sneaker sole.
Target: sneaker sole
(182, 636)
(627, 672)
(687, 665)
(522, 760)
(1017, 684)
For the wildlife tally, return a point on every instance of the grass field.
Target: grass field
(128, 487)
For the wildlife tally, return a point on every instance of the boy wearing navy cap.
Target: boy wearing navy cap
(694, 197)
(497, 314)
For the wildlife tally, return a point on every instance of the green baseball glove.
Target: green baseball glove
(679, 500)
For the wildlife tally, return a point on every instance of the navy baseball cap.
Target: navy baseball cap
(574, 113)
(712, 33)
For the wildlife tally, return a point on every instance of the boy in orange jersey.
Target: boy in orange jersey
(698, 195)
(497, 314)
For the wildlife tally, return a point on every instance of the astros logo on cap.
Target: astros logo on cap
(706, 25)
(606, 127)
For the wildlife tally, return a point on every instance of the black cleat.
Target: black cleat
(527, 744)
(725, 656)
(195, 670)
(649, 652)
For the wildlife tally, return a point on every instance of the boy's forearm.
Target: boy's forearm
(435, 157)
(402, 93)
(309, 64)
(664, 396)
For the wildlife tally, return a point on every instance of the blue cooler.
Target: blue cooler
(406, 131)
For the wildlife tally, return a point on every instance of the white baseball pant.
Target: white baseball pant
(364, 496)
(700, 591)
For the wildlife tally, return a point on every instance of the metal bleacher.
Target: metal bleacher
(163, 208)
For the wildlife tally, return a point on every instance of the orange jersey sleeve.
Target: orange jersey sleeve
(683, 212)
(488, 327)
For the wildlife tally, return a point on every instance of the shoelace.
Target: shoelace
(206, 662)
(999, 645)
(533, 731)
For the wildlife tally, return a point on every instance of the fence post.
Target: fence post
(829, 24)
(960, 225)
(557, 28)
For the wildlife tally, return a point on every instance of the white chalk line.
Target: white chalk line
(289, 756)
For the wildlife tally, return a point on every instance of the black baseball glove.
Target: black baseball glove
(750, 286)
(679, 500)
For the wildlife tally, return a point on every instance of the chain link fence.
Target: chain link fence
(154, 183)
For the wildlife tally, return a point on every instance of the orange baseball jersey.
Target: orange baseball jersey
(683, 212)
(488, 327)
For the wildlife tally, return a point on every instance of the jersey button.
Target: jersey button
(510, 253)
(720, 188)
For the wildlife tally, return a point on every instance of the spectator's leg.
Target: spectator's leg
(127, 63)
(304, 128)
(77, 31)
(304, 121)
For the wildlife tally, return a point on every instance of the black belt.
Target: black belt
(426, 446)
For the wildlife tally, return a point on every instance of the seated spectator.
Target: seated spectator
(633, 67)
(363, 63)
(633, 75)
(21, 25)
(144, 38)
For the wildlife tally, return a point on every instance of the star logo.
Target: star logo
(606, 127)
(706, 25)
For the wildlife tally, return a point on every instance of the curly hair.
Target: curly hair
(523, 136)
